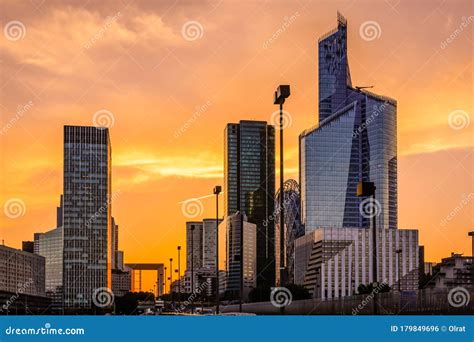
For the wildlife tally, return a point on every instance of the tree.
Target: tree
(127, 304)
(369, 288)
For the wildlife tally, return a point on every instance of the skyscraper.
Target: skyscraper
(356, 140)
(50, 246)
(232, 225)
(249, 186)
(201, 250)
(87, 215)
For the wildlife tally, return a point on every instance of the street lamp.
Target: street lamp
(192, 266)
(217, 191)
(472, 235)
(179, 274)
(399, 255)
(282, 93)
(171, 278)
(164, 283)
(367, 189)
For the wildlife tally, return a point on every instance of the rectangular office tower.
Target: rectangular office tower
(87, 224)
(200, 253)
(355, 140)
(249, 186)
(232, 225)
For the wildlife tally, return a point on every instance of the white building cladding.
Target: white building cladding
(201, 249)
(87, 224)
(333, 262)
(21, 272)
(232, 226)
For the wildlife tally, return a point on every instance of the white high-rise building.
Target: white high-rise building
(200, 251)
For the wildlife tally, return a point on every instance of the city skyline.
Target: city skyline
(152, 171)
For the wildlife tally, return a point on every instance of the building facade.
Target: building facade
(121, 282)
(21, 272)
(333, 262)
(456, 270)
(200, 252)
(355, 140)
(233, 225)
(87, 224)
(50, 246)
(249, 186)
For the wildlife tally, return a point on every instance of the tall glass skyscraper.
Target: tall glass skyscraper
(355, 140)
(249, 186)
(87, 224)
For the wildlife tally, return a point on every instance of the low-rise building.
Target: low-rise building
(333, 262)
(121, 282)
(456, 270)
(21, 271)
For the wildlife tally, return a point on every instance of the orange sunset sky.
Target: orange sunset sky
(170, 93)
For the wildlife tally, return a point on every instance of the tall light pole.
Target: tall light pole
(171, 278)
(399, 254)
(192, 266)
(367, 189)
(472, 235)
(217, 191)
(179, 274)
(282, 92)
(164, 283)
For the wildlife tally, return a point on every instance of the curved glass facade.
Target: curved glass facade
(356, 140)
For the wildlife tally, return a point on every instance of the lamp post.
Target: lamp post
(399, 255)
(217, 191)
(192, 266)
(282, 92)
(171, 278)
(367, 189)
(472, 235)
(179, 274)
(164, 283)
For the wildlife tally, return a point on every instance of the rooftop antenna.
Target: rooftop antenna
(364, 87)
